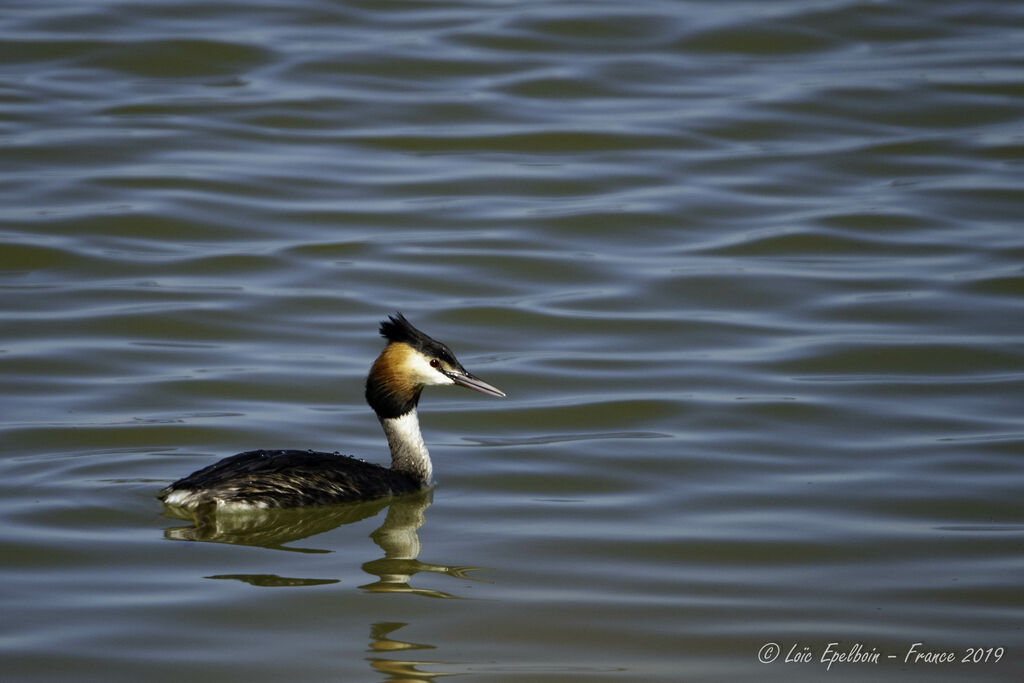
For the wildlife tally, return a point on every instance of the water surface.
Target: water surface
(750, 273)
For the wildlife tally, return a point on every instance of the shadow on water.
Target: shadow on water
(273, 529)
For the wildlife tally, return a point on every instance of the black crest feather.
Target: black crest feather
(397, 329)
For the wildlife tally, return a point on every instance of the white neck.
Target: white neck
(408, 452)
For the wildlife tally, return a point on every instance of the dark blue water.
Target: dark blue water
(750, 273)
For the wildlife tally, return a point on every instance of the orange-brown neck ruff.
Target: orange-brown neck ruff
(391, 390)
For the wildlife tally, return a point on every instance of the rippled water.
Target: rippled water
(750, 273)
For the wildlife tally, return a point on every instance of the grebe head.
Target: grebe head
(410, 361)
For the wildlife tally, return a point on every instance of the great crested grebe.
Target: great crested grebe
(291, 478)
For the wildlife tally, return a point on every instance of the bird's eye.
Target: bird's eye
(435, 363)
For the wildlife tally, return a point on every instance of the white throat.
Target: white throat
(408, 452)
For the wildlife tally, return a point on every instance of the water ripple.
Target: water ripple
(750, 274)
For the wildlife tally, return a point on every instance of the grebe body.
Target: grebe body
(292, 478)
